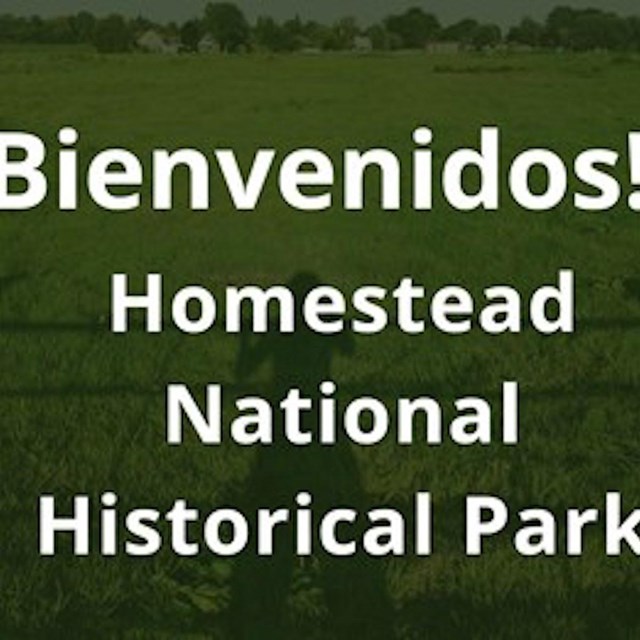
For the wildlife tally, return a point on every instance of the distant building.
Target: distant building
(362, 44)
(173, 45)
(153, 42)
(208, 44)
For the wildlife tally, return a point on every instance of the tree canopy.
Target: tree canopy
(565, 28)
(228, 25)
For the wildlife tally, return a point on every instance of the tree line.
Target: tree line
(564, 28)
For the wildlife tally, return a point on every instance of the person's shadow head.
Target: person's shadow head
(302, 283)
(301, 358)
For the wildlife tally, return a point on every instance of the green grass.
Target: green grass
(82, 410)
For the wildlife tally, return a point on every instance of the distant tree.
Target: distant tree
(414, 28)
(381, 39)
(58, 30)
(191, 33)
(528, 32)
(633, 25)
(267, 33)
(140, 25)
(228, 25)
(594, 29)
(486, 36)
(342, 35)
(461, 31)
(270, 35)
(112, 35)
(565, 28)
(34, 30)
(83, 25)
(313, 34)
(172, 30)
(7, 28)
(582, 30)
(294, 27)
(13, 29)
(559, 25)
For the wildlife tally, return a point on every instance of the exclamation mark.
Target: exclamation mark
(634, 166)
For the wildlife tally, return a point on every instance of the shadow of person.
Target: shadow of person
(355, 600)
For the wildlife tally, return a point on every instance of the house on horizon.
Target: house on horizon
(153, 42)
(363, 44)
(208, 44)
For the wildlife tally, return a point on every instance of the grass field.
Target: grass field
(82, 410)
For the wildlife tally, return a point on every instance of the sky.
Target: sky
(504, 12)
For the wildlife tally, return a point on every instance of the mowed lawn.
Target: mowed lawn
(82, 411)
